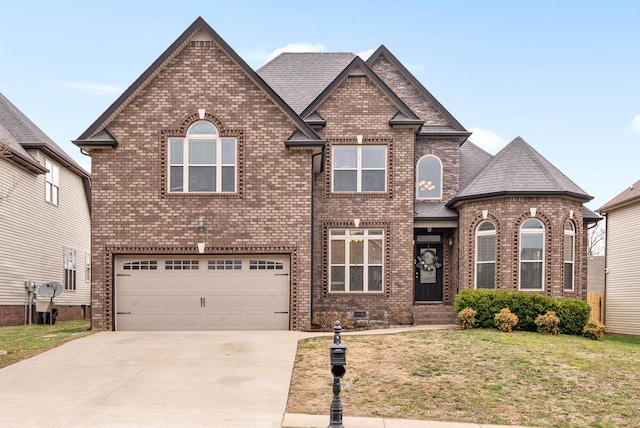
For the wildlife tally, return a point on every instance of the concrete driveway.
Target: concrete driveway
(153, 379)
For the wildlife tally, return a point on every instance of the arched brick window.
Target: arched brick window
(429, 178)
(569, 255)
(485, 255)
(531, 255)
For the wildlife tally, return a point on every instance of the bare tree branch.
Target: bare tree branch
(596, 241)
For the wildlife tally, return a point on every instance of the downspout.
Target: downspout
(311, 282)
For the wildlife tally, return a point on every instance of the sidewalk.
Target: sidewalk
(296, 420)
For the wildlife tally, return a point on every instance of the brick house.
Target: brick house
(225, 198)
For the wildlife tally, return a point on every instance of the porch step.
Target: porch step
(433, 314)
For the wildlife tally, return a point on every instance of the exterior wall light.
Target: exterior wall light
(200, 224)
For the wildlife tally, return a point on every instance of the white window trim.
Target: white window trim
(441, 178)
(571, 233)
(218, 164)
(52, 183)
(70, 269)
(485, 233)
(365, 277)
(359, 169)
(520, 260)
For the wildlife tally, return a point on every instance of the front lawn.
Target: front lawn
(24, 341)
(478, 376)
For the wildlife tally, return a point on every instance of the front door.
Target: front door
(428, 270)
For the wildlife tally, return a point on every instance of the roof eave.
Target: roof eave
(453, 202)
(28, 163)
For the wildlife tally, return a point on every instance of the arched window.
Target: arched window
(531, 255)
(486, 255)
(203, 161)
(569, 254)
(429, 178)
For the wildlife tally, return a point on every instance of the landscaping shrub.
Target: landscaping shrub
(466, 318)
(593, 330)
(548, 323)
(401, 315)
(573, 313)
(506, 320)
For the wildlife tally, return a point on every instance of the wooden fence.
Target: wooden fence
(596, 301)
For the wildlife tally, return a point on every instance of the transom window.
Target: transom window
(359, 168)
(569, 255)
(531, 255)
(203, 161)
(52, 186)
(356, 260)
(486, 255)
(429, 178)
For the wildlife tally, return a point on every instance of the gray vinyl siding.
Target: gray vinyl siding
(622, 299)
(34, 233)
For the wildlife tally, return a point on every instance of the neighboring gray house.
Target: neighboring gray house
(46, 223)
(622, 280)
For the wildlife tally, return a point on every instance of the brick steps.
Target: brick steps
(433, 314)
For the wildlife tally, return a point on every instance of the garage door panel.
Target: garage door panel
(202, 292)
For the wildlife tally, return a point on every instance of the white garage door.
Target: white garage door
(202, 293)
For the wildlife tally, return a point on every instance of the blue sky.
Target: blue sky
(563, 75)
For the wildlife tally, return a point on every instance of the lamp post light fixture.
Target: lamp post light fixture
(338, 359)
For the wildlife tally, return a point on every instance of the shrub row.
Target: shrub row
(573, 313)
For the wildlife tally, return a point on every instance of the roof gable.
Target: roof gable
(358, 66)
(381, 52)
(199, 30)
(300, 77)
(520, 170)
(629, 195)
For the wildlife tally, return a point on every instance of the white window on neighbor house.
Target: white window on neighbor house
(69, 269)
(87, 266)
(531, 255)
(569, 255)
(361, 168)
(429, 178)
(356, 260)
(486, 255)
(202, 161)
(52, 185)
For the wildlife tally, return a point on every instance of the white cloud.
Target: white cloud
(262, 57)
(366, 54)
(94, 88)
(487, 140)
(635, 123)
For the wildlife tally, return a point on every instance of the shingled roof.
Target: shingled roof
(519, 170)
(300, 77)
(21, 134)
(472, 160)
(629, 195)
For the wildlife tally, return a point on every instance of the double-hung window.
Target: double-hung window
(203, 161)
(356, 257)
(531, 255)
(361, 168)
(486, 255)
(52, 185)
(69, 269)
(569, 256)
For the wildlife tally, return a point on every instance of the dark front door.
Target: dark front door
(428, 272)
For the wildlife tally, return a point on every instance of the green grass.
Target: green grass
(478, 376)
(25, 341)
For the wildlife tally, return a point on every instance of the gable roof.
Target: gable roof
(300, 77)
(455, 128)
(519, 170)
(407, 116)
(94, 135)
(21, 134)
(629, 195)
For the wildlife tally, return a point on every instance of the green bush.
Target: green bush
(593, 330)
(548, 323)
(505, 320)
(573, 313)
(466, 318)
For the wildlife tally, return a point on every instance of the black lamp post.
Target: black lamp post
(338, 358)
